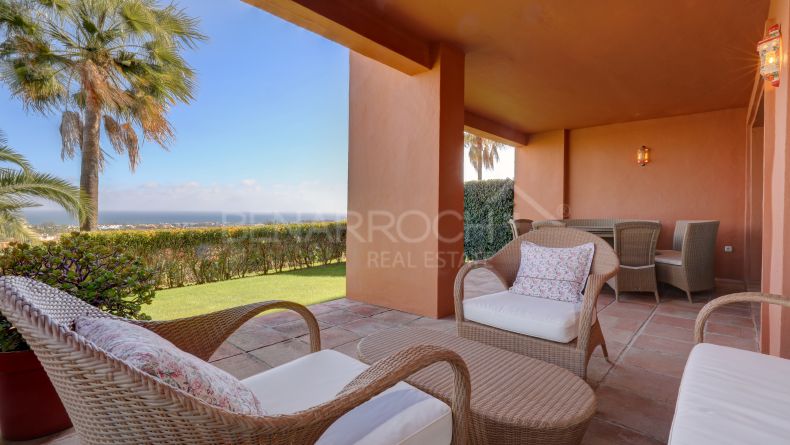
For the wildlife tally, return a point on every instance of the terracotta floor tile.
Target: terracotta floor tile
(597, 368)
(673, 332)
(601, 432)
(432, 323)
(224, 351)
(626, 408)
(615, 349)
(249, 339)
(280, 353)
(338, 317)
(679, 322)
(350, 349)
(667, 364)
(366, 310)
(617, 335)
(726, 329)
(661, 344)
(321, 308)
(396, 317)
(277, 318)
(367, 326)
(732, 320)
(658, 387)
(626, 324)
(629, 312)
(297, 328)
(749, 344)
(333, 337)
(677, 311)
(242, 366)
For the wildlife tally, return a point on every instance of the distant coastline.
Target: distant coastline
(177, 218)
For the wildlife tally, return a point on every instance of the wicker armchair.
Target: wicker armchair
(573, 355)
(110, 402)
(689, 266)
(520, 226)
(635, 245)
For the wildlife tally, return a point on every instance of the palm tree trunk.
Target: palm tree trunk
(91, 159)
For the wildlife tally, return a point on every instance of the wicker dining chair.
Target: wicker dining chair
(635, 245)
(520, 226)
(111, 402)
(547, 223)
(573, 355)
(689, 266)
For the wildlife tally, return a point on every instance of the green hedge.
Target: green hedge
(193, 256)
(488, 205)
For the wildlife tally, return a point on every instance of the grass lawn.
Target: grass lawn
(305, 286)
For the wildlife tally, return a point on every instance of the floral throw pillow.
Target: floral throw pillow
(556, 273)
(152, 354)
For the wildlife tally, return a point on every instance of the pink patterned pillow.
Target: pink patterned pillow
(556, 273)
(152, 354)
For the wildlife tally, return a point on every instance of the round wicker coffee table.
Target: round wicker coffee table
(515, 399)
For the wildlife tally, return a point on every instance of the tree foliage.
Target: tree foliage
(483, 153)
(488, 205)
(115, 63)
(192, 256)
(22, 187)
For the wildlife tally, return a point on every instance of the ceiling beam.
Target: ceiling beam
(490, 129)
(346, 23)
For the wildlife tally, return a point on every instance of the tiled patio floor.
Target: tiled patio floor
(648, 346)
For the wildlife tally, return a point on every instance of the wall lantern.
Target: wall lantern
(770, 51)
(643, 156)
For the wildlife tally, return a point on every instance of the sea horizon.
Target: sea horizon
(132, 217)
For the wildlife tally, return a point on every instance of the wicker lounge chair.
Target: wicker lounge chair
(635, 245)
(689, 265)
(520, 226)
(729, 395)
(572, 355)
(111, 402)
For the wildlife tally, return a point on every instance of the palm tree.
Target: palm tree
(22, 186)
(110, 62)
(483, 153)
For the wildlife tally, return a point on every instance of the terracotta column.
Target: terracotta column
(405, 183)
(540, 185)
(776, 207)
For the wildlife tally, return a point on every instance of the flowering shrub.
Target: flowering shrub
(96, 272)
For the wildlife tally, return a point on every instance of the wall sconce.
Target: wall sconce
(643, 156)
(770, 51)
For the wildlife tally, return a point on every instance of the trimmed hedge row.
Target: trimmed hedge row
(194, 256)
(488, 205)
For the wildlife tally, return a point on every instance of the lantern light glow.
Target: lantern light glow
(770, 51)
(643, 156)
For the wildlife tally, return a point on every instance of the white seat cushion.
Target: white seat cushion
(672, 257)
(400, 415)
(537, 317)
(732, 396)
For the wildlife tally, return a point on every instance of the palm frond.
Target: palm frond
(70, 134)
(41, 186)
(123, 139)
(10, 156)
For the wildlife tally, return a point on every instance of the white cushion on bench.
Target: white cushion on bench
(400, 415)
(732, 396)
(537, 317)
(671, 257)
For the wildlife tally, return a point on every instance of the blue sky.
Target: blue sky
(267, 132)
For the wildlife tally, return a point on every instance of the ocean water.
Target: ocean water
(36, 217)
